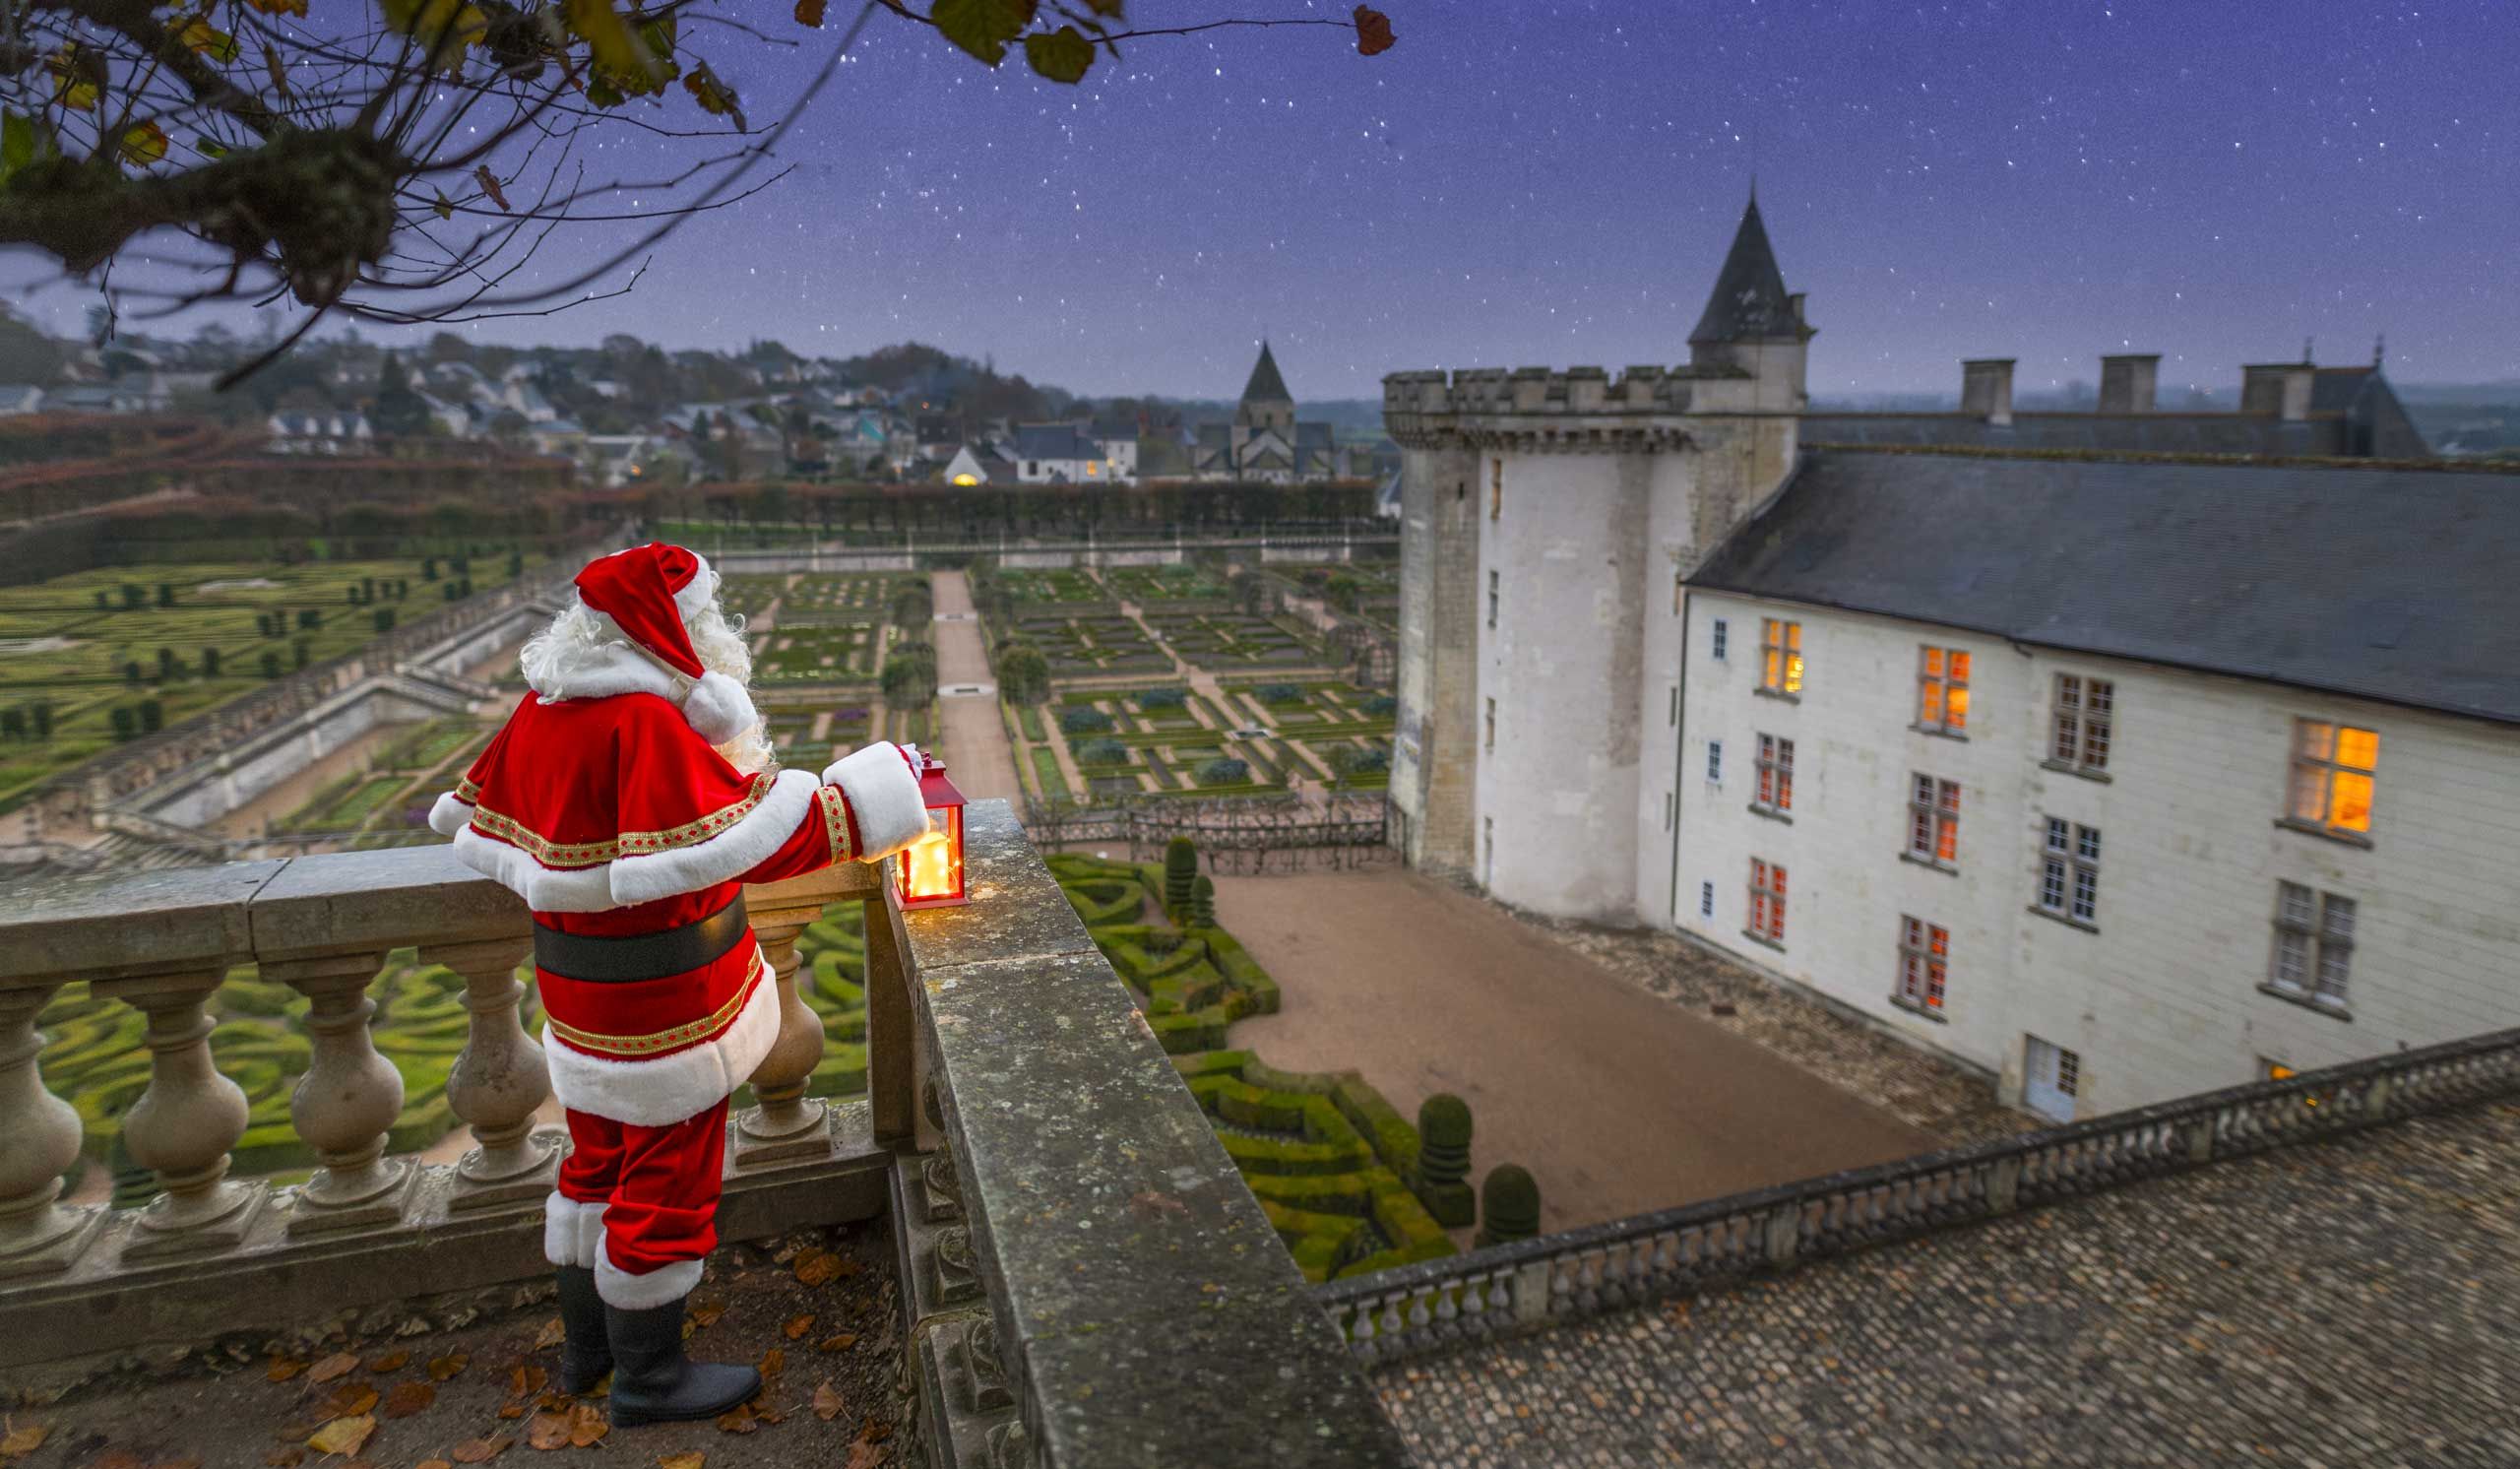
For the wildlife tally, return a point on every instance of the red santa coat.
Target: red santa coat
(610, 816)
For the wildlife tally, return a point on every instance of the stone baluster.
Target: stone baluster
(897, 1066)
(783, 1123)
(184, 1122)
(499, 1082)
(345, 1103)
(38, 1141)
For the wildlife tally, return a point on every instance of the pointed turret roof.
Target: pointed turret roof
(1265, 386)
(1749, 298)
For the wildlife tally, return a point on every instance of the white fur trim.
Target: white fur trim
(450, 816)
(882, 794)
(730, 852)
(615, 668)
(663, 1286)
(663, 1090)
(699, 592)
(718, 708)
(572, 1231)
(543, 889)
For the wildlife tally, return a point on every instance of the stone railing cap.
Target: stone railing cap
(129, 922)
(351, 901)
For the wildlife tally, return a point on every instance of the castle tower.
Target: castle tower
(1546, 519)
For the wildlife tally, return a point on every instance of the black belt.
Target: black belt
(629, 958)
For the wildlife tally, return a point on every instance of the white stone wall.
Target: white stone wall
(2163, 999)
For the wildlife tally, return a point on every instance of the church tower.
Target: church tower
(1266, 403)
(1546, 520)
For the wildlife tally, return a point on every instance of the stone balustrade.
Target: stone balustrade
(1085, 1279)
(1427, 1309)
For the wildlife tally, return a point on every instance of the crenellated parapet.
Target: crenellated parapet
(1577, 410)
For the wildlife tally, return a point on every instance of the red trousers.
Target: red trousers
(639, 1205)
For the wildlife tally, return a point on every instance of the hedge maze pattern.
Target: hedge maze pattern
(1333, 1166)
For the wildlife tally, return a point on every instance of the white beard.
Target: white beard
(562, 661)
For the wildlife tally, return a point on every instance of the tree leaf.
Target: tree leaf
(443, 1368)
(553, 1332)
(481, 1451)
(272, 63)
(797, 1326)
(689, 1460)
(612, 44)
(1062, 55)
(344, 1435)
(809, 13)
(278, 7)
(350, 1400)
(715, 98)
(387, 1362)
(737, 1420)
(78, 78)
(841, 1343)
(773, 1363)
(24, 1439)
(587, 1426)
(409, 1398)
(548, 1430)
(490, 183)
(1373, 31)
(821, 1267)
(1108, 10)
(217, 45)
(827, 1403)
(982, 27)
(335, 1366)
(284, 1367)
(143, 145)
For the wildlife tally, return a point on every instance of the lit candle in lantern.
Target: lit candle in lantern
(932, 869)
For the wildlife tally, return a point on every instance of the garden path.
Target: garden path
(1617, 1101)
(971, 733)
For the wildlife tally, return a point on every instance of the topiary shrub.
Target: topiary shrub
(1508, 1206)
(1224, 770)
(1152, 699)
(1380, 706)
(1279, 693)
(1180, 876)
(1443, 1161)
(1101, 752)
(1203, 902)
(1084, 719)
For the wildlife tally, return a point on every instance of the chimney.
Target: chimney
(2128, 381)
(1986, 389)
(2282, 389)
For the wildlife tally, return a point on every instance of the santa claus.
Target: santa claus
(627, 799)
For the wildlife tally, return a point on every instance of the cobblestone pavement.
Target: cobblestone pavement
(1918, 1089)
(2351, 1304)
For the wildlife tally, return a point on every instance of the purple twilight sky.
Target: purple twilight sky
(1551, 181)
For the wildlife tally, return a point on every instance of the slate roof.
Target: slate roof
(2393, 585)
(1750, 297)
(1054, 441)
(2160, 434)
(1265, 386)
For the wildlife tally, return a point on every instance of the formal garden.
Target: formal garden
(1350, 1185)
(114, 654)
(387, 800)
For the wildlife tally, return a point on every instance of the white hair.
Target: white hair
(560, 660)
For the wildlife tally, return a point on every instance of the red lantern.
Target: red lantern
(932, 869)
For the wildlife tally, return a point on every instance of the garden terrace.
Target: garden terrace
(1230, 639)
(1162, 739)
(1089, 645)
(1150, 586)
(1079, 1266)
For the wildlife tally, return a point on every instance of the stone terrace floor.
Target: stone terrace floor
(455, 1380)
(2351, 1304)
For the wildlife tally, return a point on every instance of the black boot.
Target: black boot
(586, 1355)
(654, 1382)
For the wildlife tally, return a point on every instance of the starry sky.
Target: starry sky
(1555, 181)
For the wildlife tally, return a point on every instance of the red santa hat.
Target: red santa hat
(652, 593)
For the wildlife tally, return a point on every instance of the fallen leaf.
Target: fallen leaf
(773, 1363)
(390, 1362)
(335, 1365)
(864, 1454)
(738, 1421)
(821, 1267)
(555, 1402)
(23, 1441)
(188, 1461)
(694, 1459)
(350, 1400)
(409, 1398)
(809, 13)
(443, 1368)
(120, 1458)
(548, 1431)
(286, 1458)
(525, 1381)
(284, 1367)
(551, 1334)
(434, 1464)
(767, 1411)
(873, 1429)
(1373, 31)
(839, 1343)
(798, 1325)
(512, 1409)
(827, 1404)
(481, 1451)
(587, 1426)
(708, 1312)
(344, 1435)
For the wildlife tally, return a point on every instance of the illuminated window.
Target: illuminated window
(1942, 690)
(1933, 821)
(2313, 946)
(2084, 710)
(1767, 901)
(1780, 656)
(2332, 767)
(2069, 872)
(1776, 775)
(966, 479)
(1496, 488)
(1723, 635)
(1924, 952)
